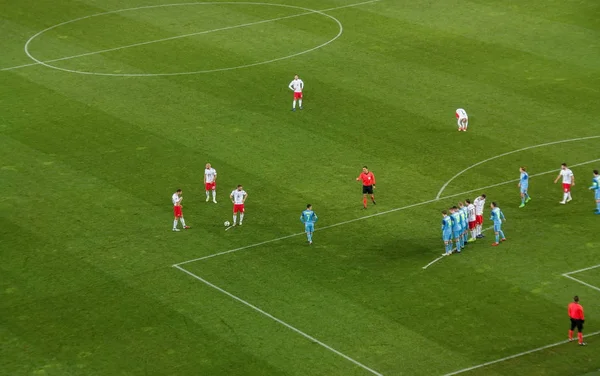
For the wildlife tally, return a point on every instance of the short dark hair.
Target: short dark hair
(239, 185)
(365, 167)
(596, 172)
(454, 207)
(444, 212)
(179, 190)
(484, 196)
(523, 168)
(308, 206)
(576, 298)
(563, 164)
(494, 204)
(468, 201)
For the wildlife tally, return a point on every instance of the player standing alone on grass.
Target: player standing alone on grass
(524, 184)
(297, 85)
(446, 233)
(596, 188)
(308, 217)
(577, 320)
(177, 210)
(210, 182)
(368, 182)
(238, 198)
(479, 205)
(462, 119)
(497, 217)
(568, 180)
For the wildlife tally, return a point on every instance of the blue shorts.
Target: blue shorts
(309, 227)
(457, 233)
(524, 189)
(497, 227)
(597, 194)
(446, 236)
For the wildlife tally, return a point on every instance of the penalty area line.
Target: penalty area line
(514, 356)
(264, 313)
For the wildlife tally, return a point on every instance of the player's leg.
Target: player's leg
(175, 224)
(207, 195)
(580, 332)
(565, 194)
(235, 210)
(365, 191)
(497, 234)
(573, 325)
(465, 123)
(502, 237)
(294, 103)
(214, 193)
(597, 204)
(522, 198)
(241, 216)
(300, 102)
(183, 222)
(458, 122)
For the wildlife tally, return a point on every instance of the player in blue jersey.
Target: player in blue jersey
(596, 188)
(497, 217)
(524, 184)
(447, 233)
(464, 215)
(456, 228)
(308, 217)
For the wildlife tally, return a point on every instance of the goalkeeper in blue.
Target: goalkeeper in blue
(596, 188)
(497, 217)
(524, 185)
(308, 217)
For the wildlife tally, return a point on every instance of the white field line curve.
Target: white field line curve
(39, 62)
(371, 216)
(509, 153)
(307, 336)
(514, 356)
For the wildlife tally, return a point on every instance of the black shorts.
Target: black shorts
(575, 323)
(367, 189)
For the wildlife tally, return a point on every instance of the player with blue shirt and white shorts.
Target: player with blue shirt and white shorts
(308, 217)
(524, 185)
(497, 217)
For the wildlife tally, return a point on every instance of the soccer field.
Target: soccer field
(108, 107)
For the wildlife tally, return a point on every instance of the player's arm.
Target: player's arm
(315, 218)
(245, 197)
(558, 177)
(594, 185)
(291, 86)
(302, 217)
(204, 178)
(373, 176)
(572, 179)
(502, 216)
(215, 177)
(231, 197)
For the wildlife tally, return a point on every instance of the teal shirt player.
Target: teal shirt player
(308, 217)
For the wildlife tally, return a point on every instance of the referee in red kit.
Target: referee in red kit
(368, 181)
(577, 320)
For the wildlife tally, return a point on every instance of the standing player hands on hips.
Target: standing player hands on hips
(462, 119)
(297, 85)
(596, 188)
(177, 210)
(568, 180)
(210, 182)
(238, 198)
(368, 182)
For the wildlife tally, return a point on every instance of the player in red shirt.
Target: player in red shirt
(368, 182)
(577, 320)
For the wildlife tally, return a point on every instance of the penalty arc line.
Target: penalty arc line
(514, 356)
(307, 336)
(173, 37)
(508, 153)
(370, 216)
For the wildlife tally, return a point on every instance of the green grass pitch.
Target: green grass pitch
(103, 121)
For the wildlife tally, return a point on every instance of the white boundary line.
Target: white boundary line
(508, 153)
(515, 356)
(309, 337)
(568, 275)
(372, 215)
(307, 12)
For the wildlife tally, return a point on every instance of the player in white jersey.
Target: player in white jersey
(568, 180)
(462, 119)
(210, 182)
(471, 219)
(238, 198)
(479, 205)
(297, 85)
(176, 198)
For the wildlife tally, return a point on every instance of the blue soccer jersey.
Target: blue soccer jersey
(456, 225)
(596, 187)
(464, 213)
(308, 217)
(524, 181)
(497, 217)
(446, 228)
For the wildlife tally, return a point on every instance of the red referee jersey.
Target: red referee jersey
(576, 311)
(368, 178)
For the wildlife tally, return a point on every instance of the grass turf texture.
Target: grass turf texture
(88, 163)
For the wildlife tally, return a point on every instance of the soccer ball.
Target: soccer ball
(227, 224)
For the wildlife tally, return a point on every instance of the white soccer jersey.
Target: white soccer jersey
(471, 209)
(479, 205)
(297, 85)
(238, 196)
(461, 113)
(567, 176)
(176, 199)
(210, 174)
